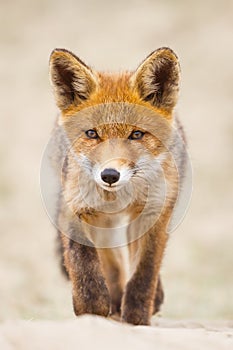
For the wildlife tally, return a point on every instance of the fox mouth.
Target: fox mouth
(111, 188)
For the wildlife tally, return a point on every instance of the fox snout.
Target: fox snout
(110, 176)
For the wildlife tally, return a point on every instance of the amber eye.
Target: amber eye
(136, 135)
(92, 134)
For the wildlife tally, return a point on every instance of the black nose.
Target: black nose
(110, 176)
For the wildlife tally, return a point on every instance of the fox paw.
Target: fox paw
(135, 317)
(92, 301)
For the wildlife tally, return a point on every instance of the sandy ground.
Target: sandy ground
(197, 269)
(88, 332)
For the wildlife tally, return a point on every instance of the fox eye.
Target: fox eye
(92, 134)
(136, 135)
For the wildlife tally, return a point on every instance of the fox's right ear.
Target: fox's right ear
(72, 80)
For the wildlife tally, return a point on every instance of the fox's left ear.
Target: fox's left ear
(157, 79)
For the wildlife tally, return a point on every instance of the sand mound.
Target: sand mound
(89, 332)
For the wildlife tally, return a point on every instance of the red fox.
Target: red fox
(121, 166)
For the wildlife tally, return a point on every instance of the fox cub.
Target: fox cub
(121, 166)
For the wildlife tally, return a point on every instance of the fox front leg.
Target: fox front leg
(138, 300)
(90, 293)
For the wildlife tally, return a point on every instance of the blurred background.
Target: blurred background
(116, 35)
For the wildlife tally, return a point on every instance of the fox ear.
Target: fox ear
(72, 80)
(157, 79)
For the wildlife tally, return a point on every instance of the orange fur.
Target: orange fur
(114, 88)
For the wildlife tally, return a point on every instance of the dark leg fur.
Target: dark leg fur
(113, 277)
(60, 253)
(140, 295)
(159, 297)
(90, 293)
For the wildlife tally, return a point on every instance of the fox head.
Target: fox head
(118, 125)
